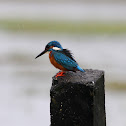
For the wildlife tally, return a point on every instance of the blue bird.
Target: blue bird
(61, 58)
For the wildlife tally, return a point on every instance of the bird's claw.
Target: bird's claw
(60, 74)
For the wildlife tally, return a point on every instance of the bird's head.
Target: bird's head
(55, 45)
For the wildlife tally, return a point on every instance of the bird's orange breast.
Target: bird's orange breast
(54, 63)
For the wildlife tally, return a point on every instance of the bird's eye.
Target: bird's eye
(47, 47)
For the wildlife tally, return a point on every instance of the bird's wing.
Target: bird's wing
(65, 61)
(68, 53)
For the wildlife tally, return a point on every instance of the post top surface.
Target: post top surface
(88, 77)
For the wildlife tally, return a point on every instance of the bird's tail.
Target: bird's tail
(80, 69)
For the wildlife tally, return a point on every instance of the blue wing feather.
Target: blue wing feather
(66, 61)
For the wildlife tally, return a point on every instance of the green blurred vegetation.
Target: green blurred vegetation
(85, 27)
(119, 86)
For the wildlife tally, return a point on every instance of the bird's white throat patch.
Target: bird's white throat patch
(47, 52)
(56, 48)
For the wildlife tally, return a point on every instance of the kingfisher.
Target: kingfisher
(61, 58)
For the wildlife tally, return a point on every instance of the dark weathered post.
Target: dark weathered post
(78, 99)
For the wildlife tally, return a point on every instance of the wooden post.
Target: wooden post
(78, 99)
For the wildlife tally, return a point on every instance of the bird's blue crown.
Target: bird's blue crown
(55, 44)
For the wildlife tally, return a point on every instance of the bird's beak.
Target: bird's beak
(41, 53)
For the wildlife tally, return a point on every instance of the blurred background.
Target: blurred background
(95, 32)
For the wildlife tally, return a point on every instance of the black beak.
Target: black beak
(41, 53)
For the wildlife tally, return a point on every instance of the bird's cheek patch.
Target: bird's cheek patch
(56, 48)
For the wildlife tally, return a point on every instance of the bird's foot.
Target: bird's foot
(60, 74)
